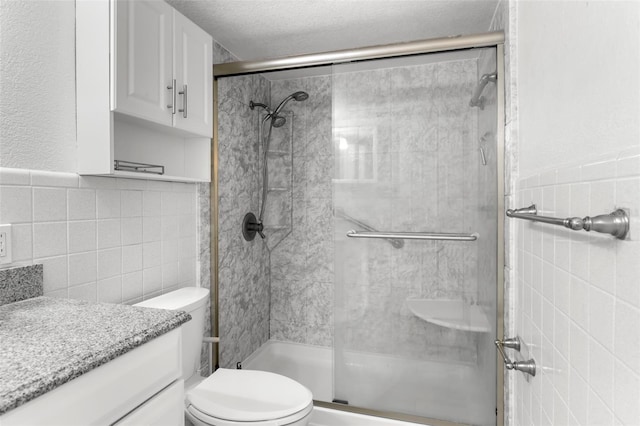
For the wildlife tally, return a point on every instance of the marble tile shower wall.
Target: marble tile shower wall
(427, 164)
(102, 239)
(302, 264)
(243, 266)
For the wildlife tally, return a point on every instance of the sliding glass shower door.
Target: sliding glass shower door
(414, 313)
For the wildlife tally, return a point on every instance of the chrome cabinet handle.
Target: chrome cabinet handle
(528, 367)
(185, 101)
(173, 96)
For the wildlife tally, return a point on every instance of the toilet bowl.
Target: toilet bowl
(230, 397)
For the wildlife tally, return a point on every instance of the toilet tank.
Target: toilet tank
(192, 300)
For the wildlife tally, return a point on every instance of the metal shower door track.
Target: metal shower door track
(418, 47)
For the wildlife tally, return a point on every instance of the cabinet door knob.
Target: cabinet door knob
(173, 96)
(184, 101)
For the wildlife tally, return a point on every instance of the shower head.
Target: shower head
(278, 121)
(298, 96)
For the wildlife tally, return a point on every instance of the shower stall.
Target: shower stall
(379, 282)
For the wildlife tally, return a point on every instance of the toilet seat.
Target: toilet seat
(248, 397)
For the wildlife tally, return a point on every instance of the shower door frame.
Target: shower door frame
(484, 40)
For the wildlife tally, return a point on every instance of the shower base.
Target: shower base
(422, 388)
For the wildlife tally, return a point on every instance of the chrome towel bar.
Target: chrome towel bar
(396, 243)
(414, 236)
(615, 223)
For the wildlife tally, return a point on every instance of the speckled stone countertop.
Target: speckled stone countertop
(46, 342)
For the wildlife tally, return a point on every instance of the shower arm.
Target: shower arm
(477, 100)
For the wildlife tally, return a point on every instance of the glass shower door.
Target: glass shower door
(415, 319)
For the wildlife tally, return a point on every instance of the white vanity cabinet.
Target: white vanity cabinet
(144, 94)
(143, 386)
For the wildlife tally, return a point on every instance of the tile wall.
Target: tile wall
(578, 298)
(102, 239)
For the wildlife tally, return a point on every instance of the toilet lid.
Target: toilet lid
(249, 395)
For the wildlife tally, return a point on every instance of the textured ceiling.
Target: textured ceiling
(259, 29)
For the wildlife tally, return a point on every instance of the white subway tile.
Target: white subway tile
(132, 286)
(170, 275)
(151, 254)
(602, 198)
(15, 204)
(568, 174)
(109, 263)
(187, 247)
(81, 204)
(626, 335)
(580, 303)
(151, 228)
(82, 236)
(54, 273)
(82, 268)
(627, 395)
(86, 292)
(131, 230)
(580, 199)
(628, 271)
(151, 280)
(109, 233)
(108, 203)
(579, 352)
(601, 307)
(49, 239)
(151, 203)
(131, 203)
(170, 227)
(131, 258)
(49, 204)
(170, 250)
(110, 290)
(578, 397)
(602, 263)
(22, 240)
(598, 413)
(170, 204)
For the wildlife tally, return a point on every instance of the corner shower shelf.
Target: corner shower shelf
(454, 314)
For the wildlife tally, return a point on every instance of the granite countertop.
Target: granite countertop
(46, 342)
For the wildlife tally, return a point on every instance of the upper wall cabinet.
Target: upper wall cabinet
(144, 91)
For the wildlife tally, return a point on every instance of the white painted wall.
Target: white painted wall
(577, 80)
(37, 85)
(576, 135)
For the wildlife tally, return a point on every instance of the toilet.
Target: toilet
(230, 397)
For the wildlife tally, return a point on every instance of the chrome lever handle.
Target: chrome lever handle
(173, 96)
(185, 101)
(527, 367)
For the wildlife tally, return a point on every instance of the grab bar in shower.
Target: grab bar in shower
(615, 223)
(477, 100)
(414, 236)
(396, 243)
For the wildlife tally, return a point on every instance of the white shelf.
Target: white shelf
(454, 314)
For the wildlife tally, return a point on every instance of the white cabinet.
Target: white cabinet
(143, 66)
(144, 91)
(132, 384)
(192, 69)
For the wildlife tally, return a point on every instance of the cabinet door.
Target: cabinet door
(193, 70)
(142, 61)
